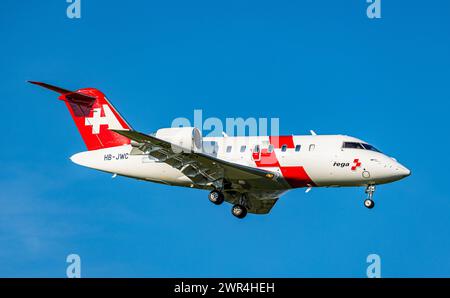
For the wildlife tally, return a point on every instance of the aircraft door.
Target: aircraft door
(256, 153)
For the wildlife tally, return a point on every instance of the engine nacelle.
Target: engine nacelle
(185, 139)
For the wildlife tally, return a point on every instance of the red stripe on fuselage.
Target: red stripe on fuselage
(296, 176)
(279, 141)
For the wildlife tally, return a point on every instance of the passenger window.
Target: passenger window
(229, 149)
(256, 149)
(283, 148)
(243, 148)
(312, 147)
(297, 148)
(270, 148)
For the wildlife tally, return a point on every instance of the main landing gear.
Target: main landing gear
(239, 210)
(216, 197)
(369, 203)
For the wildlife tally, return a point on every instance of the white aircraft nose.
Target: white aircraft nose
(402, 171)
(405, 172)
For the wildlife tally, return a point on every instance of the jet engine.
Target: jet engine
(185, 139)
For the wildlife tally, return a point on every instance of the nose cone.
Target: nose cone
(388, 169)
(401, 171)
(405, 172)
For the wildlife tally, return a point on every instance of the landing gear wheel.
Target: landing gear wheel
(216, 197)
(369, 203)
(239, 211)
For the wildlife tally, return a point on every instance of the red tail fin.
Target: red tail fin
(94, 115)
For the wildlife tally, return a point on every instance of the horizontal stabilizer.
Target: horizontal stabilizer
(75, 97)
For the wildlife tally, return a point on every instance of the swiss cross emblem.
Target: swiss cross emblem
(97, 120)
(356, 164)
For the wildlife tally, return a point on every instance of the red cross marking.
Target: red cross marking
(356, 164)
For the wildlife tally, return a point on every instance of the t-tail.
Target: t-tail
(93, 115)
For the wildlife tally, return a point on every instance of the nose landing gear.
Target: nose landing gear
(369, 203)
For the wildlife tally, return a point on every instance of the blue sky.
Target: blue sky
(319, 65)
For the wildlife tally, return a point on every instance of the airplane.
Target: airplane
(250, 172)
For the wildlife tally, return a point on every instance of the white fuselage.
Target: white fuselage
(249, 172)
(304, 161)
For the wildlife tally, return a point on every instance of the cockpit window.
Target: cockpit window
(370, 147)
(356, 145)
(352, 145)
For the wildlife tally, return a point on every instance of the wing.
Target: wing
(262, 187)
